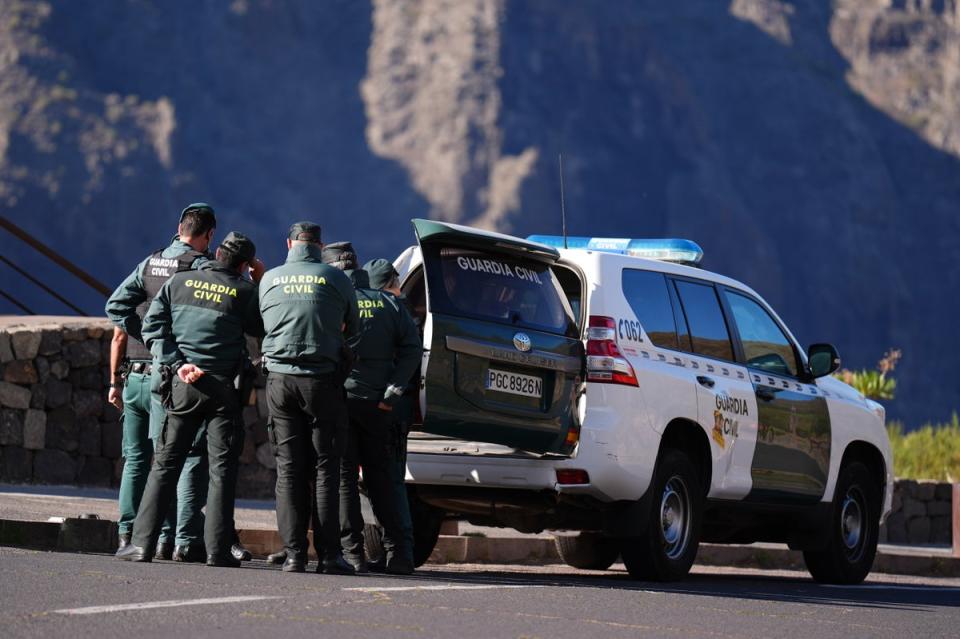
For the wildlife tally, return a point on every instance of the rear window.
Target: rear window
(649, 297)
(499, 288)
(708, 329)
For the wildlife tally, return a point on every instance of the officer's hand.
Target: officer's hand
(115, 397)
(257, 269)
(189, 373)
(385, 407)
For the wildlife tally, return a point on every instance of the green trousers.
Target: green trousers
(402, 418)
(142, 419)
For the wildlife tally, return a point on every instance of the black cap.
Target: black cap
(381, 272)
(199, 207)
(240, 245)
(305, 232)
(340, 255)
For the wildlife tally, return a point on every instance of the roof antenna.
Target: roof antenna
(563, 206)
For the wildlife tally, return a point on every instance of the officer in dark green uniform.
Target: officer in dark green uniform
(308, 308)
(142, 411)
(387, 351)
(384, 277)
(196, 329)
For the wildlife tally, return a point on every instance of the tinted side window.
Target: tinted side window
(708, 330)
(648, 296)
(764, 344)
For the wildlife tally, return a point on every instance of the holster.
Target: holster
(166, 386)
(124, 370)
(345, 365)
(245, 380)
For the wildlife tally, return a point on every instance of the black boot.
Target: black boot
(358, 562)
(277, 558)
(398, 564)
(294, 563)
(335, 566)
(134, 553)
(241, 553)
(191, 553)
(164, 551)
(124, 540)
(223, 561)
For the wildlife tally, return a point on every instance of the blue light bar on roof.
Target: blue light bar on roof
(666, 250)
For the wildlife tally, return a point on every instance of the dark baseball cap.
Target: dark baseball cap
(340, 255)
(305, 232)
(381, 272)
(199, 207)
(240, 245)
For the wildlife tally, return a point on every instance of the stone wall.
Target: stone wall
(922, 514)
(56, 426)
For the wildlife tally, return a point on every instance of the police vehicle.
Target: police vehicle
(616, 392)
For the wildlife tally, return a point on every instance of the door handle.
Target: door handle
(766, 394)
(703, 380)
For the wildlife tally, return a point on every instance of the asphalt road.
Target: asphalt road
(68, 595)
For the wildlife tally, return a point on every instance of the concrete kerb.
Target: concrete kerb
(99, 536)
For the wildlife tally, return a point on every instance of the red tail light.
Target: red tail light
(569, 476)
(605, 363)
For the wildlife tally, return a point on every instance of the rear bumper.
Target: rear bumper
(491, 472)
(521, 494)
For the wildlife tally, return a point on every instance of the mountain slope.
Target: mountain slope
(811, 149)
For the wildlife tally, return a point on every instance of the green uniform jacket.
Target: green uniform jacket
(308, 309)
(122, 306)
(200, 317)
(387, 349)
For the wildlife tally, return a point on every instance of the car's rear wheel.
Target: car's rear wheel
(373, 542)
(854, 528)
(588, 551)
(426, 531)
(667, 548)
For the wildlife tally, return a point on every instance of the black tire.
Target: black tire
(426, 532)
(426, 528)
(666, 550)
(853, 529)
(588, 551)
(373, 542)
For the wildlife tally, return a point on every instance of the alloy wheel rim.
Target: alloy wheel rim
(853, 523)
(675, 517)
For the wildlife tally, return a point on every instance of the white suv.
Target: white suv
(642, 404)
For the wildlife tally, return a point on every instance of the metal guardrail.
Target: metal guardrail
(53, 256)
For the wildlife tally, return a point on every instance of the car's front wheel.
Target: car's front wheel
(666, 550)
(854, 528)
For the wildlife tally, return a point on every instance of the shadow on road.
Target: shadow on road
(875, 594)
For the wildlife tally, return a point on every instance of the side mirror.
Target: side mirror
(823, 359)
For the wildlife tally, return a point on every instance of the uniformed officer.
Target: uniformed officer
(387, 351)
(384, 277)
(195, 330)
(142, 411)
(308, 308)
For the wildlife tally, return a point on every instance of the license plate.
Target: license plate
(514, 383)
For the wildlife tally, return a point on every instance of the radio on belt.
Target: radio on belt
(666, 250)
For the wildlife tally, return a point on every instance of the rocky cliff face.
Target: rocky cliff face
(811, 148)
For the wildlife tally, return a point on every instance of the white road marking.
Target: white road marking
(93, 610)
(440, 587)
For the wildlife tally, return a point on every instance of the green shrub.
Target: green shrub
(874, 384)
(930, 452)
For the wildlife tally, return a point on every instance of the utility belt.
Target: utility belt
(140, 368)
